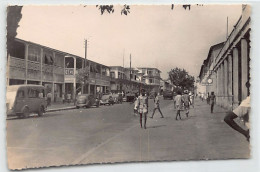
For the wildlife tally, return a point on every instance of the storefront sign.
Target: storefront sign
(208, 82)
(69, 71)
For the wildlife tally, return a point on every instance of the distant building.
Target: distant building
(151, 77)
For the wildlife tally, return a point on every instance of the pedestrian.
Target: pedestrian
(192, 99)
(136, 106)
(49, 95)
(208, 98)
(212, 99)
(242, 111)
(156, 105)
(142, 107)
(186, 102)
(178, 104)
(68, 97)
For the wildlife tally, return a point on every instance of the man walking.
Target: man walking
(186, 101)
(156, 105)
(178, 104)
(142, 102)
(212, 99)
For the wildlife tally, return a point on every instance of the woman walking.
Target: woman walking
(142, 102)
(178, 104)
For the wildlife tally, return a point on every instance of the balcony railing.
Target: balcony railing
(99, 76)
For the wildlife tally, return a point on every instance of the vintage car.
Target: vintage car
(167, 94)
(118, 98)
(22, 100)
(86, 100)
(130, 96)
(107, 100)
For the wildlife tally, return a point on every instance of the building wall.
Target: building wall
(231, 64)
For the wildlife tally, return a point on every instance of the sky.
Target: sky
(154, 35)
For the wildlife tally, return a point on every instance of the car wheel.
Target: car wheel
(26, 112)
(77, 107)
(41, 111)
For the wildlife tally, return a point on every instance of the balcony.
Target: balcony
(99, 76)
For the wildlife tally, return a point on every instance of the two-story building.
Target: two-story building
(31, 63)
(151, 78)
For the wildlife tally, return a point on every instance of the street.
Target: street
(113, 134)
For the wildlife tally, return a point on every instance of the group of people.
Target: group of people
(183, 102)
(141, 107)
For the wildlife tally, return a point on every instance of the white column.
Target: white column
(235, 76)
(225, 83)
(230, 83)
(244, 67)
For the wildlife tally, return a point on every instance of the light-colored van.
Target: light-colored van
(22, 100)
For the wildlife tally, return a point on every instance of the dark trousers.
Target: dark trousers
(158, 110)
(141, 119)
(178, 114)
(212, 107)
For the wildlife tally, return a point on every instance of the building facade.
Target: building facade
(231, 68)
(31, 63)
(151, 77)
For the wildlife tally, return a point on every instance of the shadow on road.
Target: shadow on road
(33, 116)
(157, 126)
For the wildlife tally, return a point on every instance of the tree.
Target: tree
(126, 8)
(14, 15)
(181, 78)
(82, 76)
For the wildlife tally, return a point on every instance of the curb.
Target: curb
(61, 109)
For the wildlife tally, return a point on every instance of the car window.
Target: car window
(20, 94)
(33, 93)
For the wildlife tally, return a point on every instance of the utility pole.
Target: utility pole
(124, 59)
(130, 68)
(85, 69)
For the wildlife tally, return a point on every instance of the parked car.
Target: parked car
(167, 94)
(107, 100)
(86, 100)
(22, 100)
(118, 98)
(130, 96)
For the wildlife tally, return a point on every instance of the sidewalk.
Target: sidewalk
(60, 106)
(201, 136)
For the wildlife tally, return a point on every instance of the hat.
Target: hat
(186, 91)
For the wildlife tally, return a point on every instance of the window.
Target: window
(20, 94)
(112, 74)
(150, 72)
(33, 93)
(151, 81)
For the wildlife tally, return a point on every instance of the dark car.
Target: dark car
(130, 96)
(118, 98)
(167, 94)
(107, 100)
(86, 100)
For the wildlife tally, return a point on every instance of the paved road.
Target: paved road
(112, 134)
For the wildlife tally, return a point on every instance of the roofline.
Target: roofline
(59, 51)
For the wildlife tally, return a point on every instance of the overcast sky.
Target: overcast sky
(156, 36)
